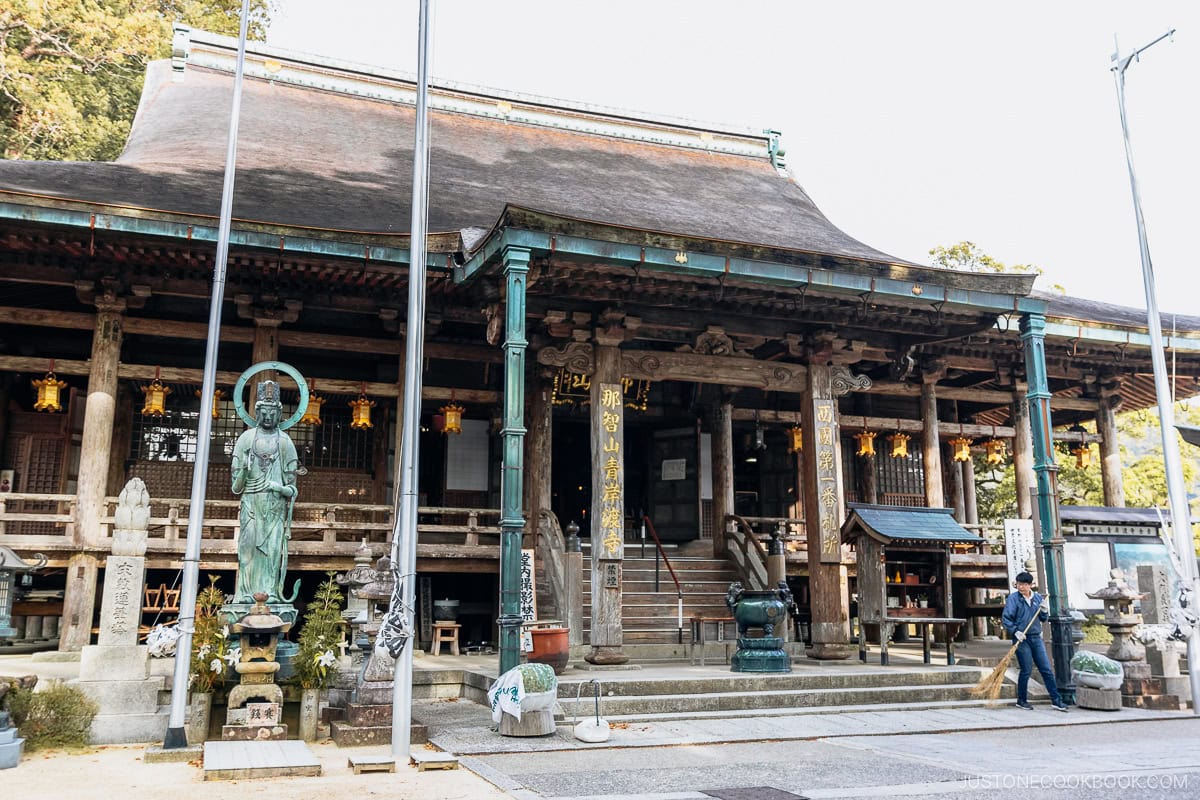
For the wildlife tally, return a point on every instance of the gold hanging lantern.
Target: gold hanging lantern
(218, 396)
(156, 396)
(795, 440)
(312, 414)
(899, 442)
(360, 410)
(962, 448)
(451, 416)
(48, 389)
(866, 443)
(1081, 450)
(997, 452)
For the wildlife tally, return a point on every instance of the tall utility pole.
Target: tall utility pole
(404, 536)
(1181, 522)
(176, 738)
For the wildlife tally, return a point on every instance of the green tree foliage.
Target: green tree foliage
(72, 70)
(967, 256)
(60, 716)
(320, 637)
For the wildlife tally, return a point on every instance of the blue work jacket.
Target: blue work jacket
(1017, 613)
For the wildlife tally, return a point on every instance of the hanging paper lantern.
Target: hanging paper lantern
(48, 389)
(360, 411)
(1081, 450)
(866, 443)
(997, 451)
(156, 396)
(452, 417)
(962, 448)
(795, 440)
(899, 442)
(312, 414)
(218, 396)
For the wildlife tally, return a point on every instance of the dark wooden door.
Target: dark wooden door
(674, 495)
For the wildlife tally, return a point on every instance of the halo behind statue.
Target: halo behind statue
(277, 366)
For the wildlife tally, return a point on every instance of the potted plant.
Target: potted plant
(317, 654)
(211, 657)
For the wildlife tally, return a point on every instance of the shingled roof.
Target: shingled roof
(325, 159)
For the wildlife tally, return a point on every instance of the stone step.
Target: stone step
(346, 735)
(930, 705)
(774, 699)
(890, 677)
(364, 716)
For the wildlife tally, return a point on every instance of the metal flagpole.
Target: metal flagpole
(176, 738)
(404, 535)
(1181, 523)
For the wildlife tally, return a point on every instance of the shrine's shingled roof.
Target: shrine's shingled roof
(889, 523)
(320, 158)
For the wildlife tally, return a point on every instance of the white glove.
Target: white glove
(1045, 605)
(1019, 636)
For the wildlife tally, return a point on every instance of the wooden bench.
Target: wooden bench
(888, 624)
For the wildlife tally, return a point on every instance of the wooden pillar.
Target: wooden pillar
(823, 511)
(970, 500)
(931, 446)
(538, 444)
(1110, 451)
(1022, 453)
(94, 453)
(266, 343)
(868, 474)
(607, 517)
(121, 440)
(722, 469)
(958, 493)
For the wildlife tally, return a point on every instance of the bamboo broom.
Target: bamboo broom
(990, 686)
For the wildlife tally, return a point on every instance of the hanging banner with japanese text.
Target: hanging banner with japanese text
(608, 478)
(825, 434)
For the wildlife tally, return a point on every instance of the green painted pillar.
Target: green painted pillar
(512, 436)
(1033, 334)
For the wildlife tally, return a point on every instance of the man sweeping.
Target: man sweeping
(1018, 618)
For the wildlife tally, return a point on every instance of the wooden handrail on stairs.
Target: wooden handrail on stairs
(749, 554)
(648, 523)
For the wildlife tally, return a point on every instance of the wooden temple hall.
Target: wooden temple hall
(629, 320)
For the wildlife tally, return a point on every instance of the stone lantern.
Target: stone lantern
(258, 635)
(10, 565)
(1118, 599)
(355, 612)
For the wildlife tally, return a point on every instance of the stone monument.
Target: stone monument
(116, 671)
(1139, 689)
(1164, 651)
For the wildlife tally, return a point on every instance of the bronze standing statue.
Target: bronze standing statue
(264, 474)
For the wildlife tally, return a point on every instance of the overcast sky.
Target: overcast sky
(911, 124)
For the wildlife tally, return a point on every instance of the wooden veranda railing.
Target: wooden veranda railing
(323, 531)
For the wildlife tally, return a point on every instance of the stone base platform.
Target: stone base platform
(254, 733)
(225, 761)
(157, 754)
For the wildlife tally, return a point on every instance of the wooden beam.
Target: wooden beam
(143, 326)
(227, 378)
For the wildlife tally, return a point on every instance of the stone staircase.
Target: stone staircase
(651, 617)
(849, 688)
